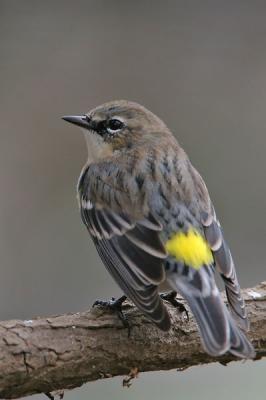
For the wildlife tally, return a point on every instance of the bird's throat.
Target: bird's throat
(98, 149)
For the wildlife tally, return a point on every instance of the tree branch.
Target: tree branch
(63, 352)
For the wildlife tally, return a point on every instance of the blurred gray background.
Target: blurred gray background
(199, 65)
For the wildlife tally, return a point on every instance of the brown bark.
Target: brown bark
(63, 352)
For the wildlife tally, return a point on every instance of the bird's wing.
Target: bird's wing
(133, 253)
(195, 248)
(221, 253)
(225, 265)
(190, 271)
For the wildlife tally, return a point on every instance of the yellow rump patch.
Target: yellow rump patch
(191, 248)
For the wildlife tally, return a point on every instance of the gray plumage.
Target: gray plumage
(136, 191)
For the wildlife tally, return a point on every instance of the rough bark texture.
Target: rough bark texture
(63, 352)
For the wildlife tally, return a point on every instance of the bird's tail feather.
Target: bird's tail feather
(218, 330)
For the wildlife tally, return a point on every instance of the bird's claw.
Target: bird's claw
(116, 306)
(171, 298)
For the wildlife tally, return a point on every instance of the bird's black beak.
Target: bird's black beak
(81, 120)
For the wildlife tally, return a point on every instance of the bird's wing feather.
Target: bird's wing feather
(221, 253)
(133, 253)
(196, 283)
(225, 264)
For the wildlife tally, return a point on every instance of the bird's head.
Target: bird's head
(117, 125)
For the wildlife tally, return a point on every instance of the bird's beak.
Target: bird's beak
(81, 120)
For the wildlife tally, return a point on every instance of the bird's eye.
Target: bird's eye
(114, 125)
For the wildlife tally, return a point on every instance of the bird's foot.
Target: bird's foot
(116, 306)
(171, 298)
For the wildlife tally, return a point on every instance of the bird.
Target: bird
(150, 216)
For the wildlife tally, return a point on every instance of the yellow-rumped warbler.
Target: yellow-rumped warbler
(151, 219)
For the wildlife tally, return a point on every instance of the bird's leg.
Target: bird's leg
(171, 298)
(115, 305)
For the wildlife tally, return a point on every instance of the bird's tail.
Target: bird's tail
(219, 332)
